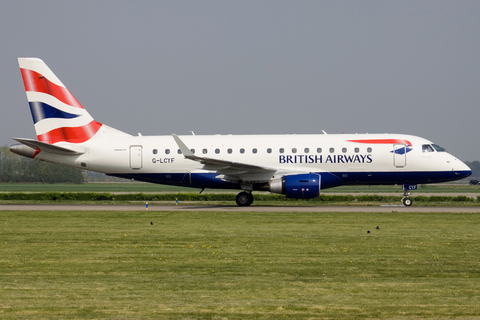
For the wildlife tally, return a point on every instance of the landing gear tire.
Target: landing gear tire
(244, 199)
(407, 202)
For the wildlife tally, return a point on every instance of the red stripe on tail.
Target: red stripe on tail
(35, 82)
(71, 134)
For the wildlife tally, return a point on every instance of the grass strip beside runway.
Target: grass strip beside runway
(227, 198)
(217, 265)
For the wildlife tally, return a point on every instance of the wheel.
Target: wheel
(244, 199)
(407, 202)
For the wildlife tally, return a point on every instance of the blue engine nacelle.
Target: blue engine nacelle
(300, 186)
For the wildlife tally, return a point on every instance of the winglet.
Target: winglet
(186, 152)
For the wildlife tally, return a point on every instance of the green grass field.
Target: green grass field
(205, 265)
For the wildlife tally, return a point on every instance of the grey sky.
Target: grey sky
(158, 67)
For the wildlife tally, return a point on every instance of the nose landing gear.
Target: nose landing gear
(407, 202)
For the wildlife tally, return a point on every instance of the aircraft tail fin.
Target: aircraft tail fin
(57, 115)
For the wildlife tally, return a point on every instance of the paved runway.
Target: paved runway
(139, 207)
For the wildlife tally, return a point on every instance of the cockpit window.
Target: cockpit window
(427, 148)
(438, 148)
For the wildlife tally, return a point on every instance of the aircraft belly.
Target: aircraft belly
(194, 180)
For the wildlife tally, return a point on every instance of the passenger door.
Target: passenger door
(399, 155)
(136, 157)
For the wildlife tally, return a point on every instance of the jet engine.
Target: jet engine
(299, 186)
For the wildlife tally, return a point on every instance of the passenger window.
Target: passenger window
(294, 150)
(281, 150)
(306, 150)
(357, 150)
(229, 151)
(319, 150)
(332, 150)
(254, 150)
(192, 150)
(217, 151)
(155, 151)
(369, 149)
(167, 151)
(427, 148)
(269, 150)
(344, 150)
(204, 151)
(179, 151)
(242, 150)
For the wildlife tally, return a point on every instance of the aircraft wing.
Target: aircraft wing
(229, 170)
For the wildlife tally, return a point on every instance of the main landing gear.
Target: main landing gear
(244, 199)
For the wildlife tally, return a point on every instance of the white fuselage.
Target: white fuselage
(371, 161)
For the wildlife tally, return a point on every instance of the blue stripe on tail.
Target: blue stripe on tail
(42, 111)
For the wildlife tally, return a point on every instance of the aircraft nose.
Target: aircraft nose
(461, 169)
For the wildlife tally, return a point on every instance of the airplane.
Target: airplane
(295, 165)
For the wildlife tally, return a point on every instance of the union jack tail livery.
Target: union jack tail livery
(57, 115)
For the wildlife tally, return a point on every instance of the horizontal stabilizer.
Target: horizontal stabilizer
(50, 148)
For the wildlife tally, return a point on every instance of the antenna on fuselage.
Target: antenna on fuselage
(324, 132)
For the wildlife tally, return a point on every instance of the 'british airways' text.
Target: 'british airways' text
(328, 159)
